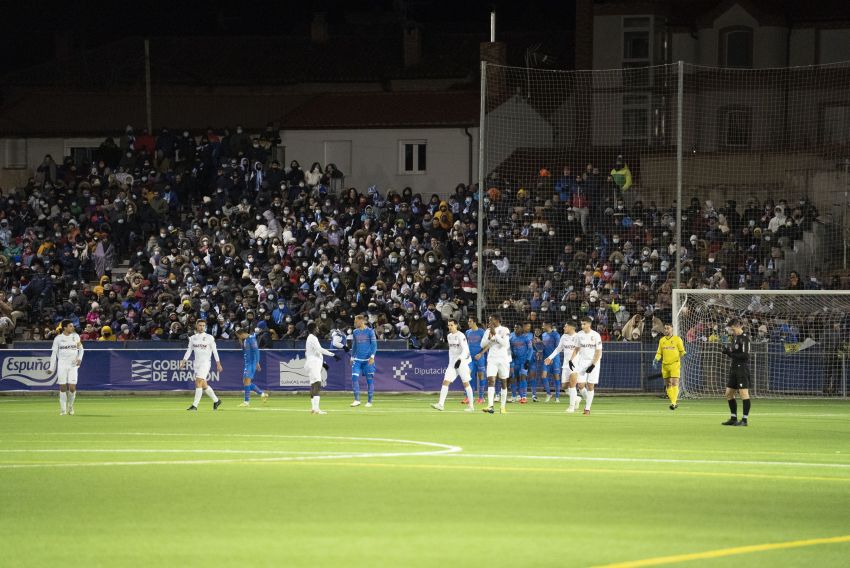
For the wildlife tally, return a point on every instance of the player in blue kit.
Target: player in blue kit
(536, 363)
(363, 349)
(550, 340)
(521, 354)
(478, 365)
(251, 364)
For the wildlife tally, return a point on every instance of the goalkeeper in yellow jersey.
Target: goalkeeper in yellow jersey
(669, 354)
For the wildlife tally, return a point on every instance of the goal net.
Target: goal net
(798, 341)
(581, 171)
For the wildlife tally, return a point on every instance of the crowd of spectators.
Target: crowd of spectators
(214, 227)
(574, 244)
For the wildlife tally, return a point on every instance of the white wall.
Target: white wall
(375, 156)
(834, 46)
(607, 42)
(802, 49)
(36, 150)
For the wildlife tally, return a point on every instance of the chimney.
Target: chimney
(319, 28)
(412, 43)
(493, 52)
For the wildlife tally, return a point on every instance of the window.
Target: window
(82, 157)
(412, 157)
(15, 154)
(736, 127)
(635, 117)
(637, 51)
(736, 47)
(835, 124)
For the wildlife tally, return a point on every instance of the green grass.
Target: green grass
(273, 485)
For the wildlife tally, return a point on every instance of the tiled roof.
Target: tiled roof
(385, 110)
(52, 113)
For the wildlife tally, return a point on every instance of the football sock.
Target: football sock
(491, 393)
(247, 390)
(198, 394)
(588, 399)
(523, 387)
(746, 408)
(72, 396)
(63, 397)
(504, 398)
(370, 388)
(211, 394)
(473, 382)
(573, 396)
(470, 395)
(256, 389)
(314, 403)
(547, 385)
(674, 394)
(583, 392)
(513, 387)
(355, 384)
(533, 387)
(482, 388)
(733, 407)
(444, 391)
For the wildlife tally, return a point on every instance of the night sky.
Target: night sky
(29, 30)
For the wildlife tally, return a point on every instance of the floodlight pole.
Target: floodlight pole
(492, 26)
(479, 304)
(679, 113)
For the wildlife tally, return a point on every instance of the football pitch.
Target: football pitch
(138, 481)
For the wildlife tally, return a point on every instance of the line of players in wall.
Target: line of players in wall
(483, 358)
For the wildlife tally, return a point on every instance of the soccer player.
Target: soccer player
(478, 364)
(535, 361)
(314, 363)
(66, 357)
(521, 353)
(669, 354)
(459, 363)
(739, 373)
(585, 360)
(203, 346)
(498, 344)
(567, 344)
(251, 358)
(549, 341)
(364, 347)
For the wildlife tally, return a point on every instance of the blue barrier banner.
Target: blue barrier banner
(281, 369)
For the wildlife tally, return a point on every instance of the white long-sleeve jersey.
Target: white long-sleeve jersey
(203, 345)
(567, 344)
(458, 348)
(588, 344)
(314, 352)
(67, 349)
(499, 346)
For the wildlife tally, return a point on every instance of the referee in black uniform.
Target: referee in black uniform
(739, 373)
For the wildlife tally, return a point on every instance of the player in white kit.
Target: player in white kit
(585, 359)
(203, 346)
(313, 363)
(497, 341)
(459, 360)
(568, 374)
(66, 357)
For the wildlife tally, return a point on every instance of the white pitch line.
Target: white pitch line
(164, 451)
(654, 460)
(440, 449)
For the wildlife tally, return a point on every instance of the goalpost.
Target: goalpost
(798, 340)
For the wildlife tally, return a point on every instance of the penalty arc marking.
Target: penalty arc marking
(432, 449)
